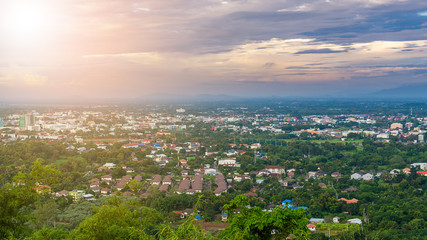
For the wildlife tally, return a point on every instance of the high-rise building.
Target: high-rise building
(22, 121)
(1, 122)
(26, 121)
(29, 120)
(421, 138)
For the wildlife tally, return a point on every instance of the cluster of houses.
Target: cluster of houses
(393, 173)
(191, 185)
(313, 221)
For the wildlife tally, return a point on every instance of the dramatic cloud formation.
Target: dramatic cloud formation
(134, 49)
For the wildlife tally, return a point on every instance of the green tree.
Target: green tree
(50, 234)
(13, 202)
(119, 220)
(44, 174)
(118, 172)
(253, 223)
(45, 214)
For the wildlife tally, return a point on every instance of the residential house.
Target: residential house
(107, 178)
(62, 193)
(157, 180)
(144, 195)
(221, 184)
(120, 185)
(184, 173)
(380, 173)
(109, 165)
(126, 178)
(76, 194)
(183, 163)
(138, 178)
(211, 153)
(255, 145)
(184, 185)
(312, 174)
(197, 185)
(164, 188)
(336, 219)
(356, 176)
(88, 197)
(263, 172)
(94, 184)
(311, 227)
(367, 176)
(167, 180)
(355, 221)
(354, 200)
(276, 169)
(43, 189)
(96, 189)
(210, 171)
(351, 189)
(104, 191)
(231, 162)
(131, 145)
(181, 214)
(423, 166)
(317, 220)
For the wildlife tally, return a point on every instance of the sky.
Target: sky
(157, 48)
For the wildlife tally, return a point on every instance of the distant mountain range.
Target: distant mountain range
(406, 91)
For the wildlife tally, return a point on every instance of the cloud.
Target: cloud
(21, 77)
(317, 51)
(106, 47)
(374, 23)
(269, 65)
(284, 60)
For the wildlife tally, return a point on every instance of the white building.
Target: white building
(110, 165)
(356, 176)
(227, 162)
(336, 219)
(383, 135)
(367, 176)
(276, 169)
(423, 166)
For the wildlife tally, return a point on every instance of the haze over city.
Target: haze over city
(136, 49)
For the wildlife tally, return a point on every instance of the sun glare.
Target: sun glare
(26, 19)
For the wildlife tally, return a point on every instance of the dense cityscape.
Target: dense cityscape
(346, 170)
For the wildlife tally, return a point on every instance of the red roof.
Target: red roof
(251, 194)
(311, 226)
(354, 200)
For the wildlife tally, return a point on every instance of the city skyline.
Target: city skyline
(136, 49)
